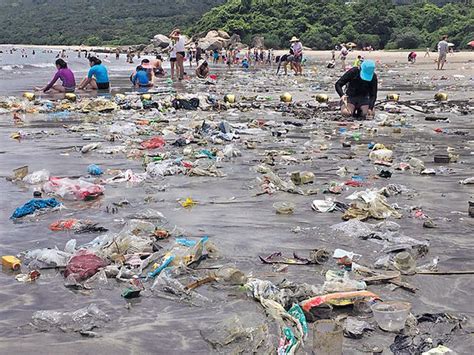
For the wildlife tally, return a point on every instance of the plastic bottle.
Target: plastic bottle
(11, 262)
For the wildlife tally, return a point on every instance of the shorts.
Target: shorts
(358, 101)
(298, 59)
(173, 60)
(103, 86)
(290, 58)
(69, 90)
(442, 56)
(181, 54)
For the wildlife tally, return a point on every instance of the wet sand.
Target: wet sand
(241, 225)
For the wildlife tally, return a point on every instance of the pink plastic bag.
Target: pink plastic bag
(73, 189)
(83, 265)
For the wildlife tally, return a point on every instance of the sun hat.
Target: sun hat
(367, 69)
(294, 39)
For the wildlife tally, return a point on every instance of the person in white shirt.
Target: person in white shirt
(172, 52)
(297, 48)
(443, 48)
(180, 52)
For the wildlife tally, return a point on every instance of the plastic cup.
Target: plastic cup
(284, 207)
(327, 337)
(391, 316)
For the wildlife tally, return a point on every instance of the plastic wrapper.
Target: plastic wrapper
(83, 319)
(72, 189)
(37, 177)
(47, 258)
(369, 204)
(153, 143)
(83, 265)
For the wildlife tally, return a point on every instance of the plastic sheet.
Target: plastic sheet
(72, 189)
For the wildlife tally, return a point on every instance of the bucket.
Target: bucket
(391, 316)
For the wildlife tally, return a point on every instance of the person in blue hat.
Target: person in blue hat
(361, 90)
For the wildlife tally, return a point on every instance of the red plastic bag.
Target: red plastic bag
(84, 265)
(64, 224)
(153, 143)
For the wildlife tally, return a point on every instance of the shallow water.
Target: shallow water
(241, 225)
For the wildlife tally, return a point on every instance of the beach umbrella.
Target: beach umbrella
(351, 44)
(450, 44)
(471, 44)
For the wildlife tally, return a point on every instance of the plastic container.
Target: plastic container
(391, 316)
(284, 207)
(11, 262)
(327, 337)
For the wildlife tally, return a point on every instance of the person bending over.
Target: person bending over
(202, 71)
(361, 90)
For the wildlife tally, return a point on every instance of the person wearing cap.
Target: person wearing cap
(361, 90)
(297, 48)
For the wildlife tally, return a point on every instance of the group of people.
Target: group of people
(97, 78)
(357, 87)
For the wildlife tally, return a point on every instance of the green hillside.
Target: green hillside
(95, 22)
(323, 23)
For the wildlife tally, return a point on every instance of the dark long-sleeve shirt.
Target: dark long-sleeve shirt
(356, 87)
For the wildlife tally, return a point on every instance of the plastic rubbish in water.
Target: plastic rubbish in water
(337, 299)
(339, 281)
(230, 275)
(188, 203)
(327, 337)
(73, 189)
(83, 265)
(35, 205)
(83, 319)
(46, 258)
(20, 173)
(284, 207)
(153, 143)
(37, 177)
(302, 177)
(29, 277)
(94, 170)
(380, 153)
(355, 329)
(391, 316)
(11, 262)
(405, 263)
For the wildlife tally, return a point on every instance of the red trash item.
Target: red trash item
(213, 76)
(84, 265)
(64, 224)
(153, 143)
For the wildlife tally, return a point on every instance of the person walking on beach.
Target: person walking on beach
(343, 55)
(97, 77)
(427, 53)
(361, 92)
(297, 48)
(443, 48)
(180, 51)
(67, 78)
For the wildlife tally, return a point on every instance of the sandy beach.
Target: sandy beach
(235, 207)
